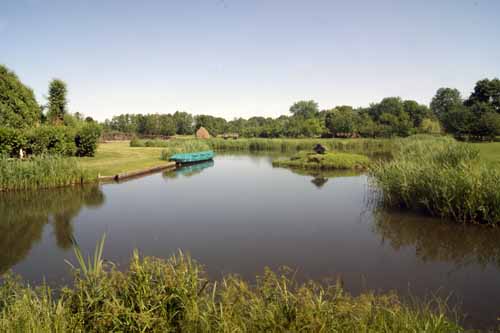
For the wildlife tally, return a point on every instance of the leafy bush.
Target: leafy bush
(86, 139)
(52, 140)
(11, 141)
(135, 142)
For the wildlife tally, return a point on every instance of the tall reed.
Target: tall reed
(442, 178)
(182, 146)
(41, 172)
(175, 295)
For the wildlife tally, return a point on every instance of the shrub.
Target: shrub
(52, 140)
(11, 141)
(86, 139)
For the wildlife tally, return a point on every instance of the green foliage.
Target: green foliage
(182, 146)
(442, 178)
(444, 101)
(429, 126)
(58, 104)
(52, 140)
(305, 109)
(40, 172)
(214, 125)
(328, 161)
(86, 139)
(486, 91)
(175, 295)
(18, 107)
(341, 120)
(11, 141)
(183, 123)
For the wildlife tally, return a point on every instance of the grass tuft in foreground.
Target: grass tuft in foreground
(442, 178)
(328, 161)
(41, 172)
(174, 295)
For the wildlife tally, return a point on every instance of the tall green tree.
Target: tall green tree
(486, 91)
(18, 107)
(58, 104)
(184, 123)
(305, 109)
(341, 120)
(444, 101)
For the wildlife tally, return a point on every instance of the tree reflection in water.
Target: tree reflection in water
(23, 215)
(437, 240)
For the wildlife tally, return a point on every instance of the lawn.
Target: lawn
(489, 152)
(117, 157)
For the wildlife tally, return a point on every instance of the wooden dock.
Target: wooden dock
(133, 174)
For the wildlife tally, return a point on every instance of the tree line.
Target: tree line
(477, 117)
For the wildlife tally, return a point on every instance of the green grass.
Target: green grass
(442, 178)
(328, 161)
(175, 295)
(489, 152)
(117, 157)
(41, 172)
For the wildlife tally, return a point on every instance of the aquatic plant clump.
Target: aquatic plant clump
(328, 161)
(182, 146)
(41, 172)
(175, 295)
(442, 178)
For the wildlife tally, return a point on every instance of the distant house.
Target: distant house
(202, 133)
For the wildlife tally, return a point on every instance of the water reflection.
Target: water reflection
(188, 170)
(321, 177)
(439, 241)
(25, 214)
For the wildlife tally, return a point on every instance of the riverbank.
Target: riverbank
(158, 295)
(118, 157)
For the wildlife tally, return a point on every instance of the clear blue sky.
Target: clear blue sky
(243, 58)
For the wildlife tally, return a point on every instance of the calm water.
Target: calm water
(238, 215)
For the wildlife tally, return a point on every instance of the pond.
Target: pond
(238, 214)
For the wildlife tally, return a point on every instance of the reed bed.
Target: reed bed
(293, 145)
(278, 145)
(442, 178)
(41, 172)
(182, 146)
(329, 161)
(175, 295)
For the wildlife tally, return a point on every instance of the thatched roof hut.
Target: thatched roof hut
(202, 133)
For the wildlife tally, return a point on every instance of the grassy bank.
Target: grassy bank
(328, 161)
(41, 172)
(440, 177)
(175, 295)
(118, 157)
(489, 152)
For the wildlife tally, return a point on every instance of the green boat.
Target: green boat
(193, 157)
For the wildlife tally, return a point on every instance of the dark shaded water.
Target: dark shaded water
(238, 215)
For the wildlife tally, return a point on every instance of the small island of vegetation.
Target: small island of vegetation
(327, 161)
